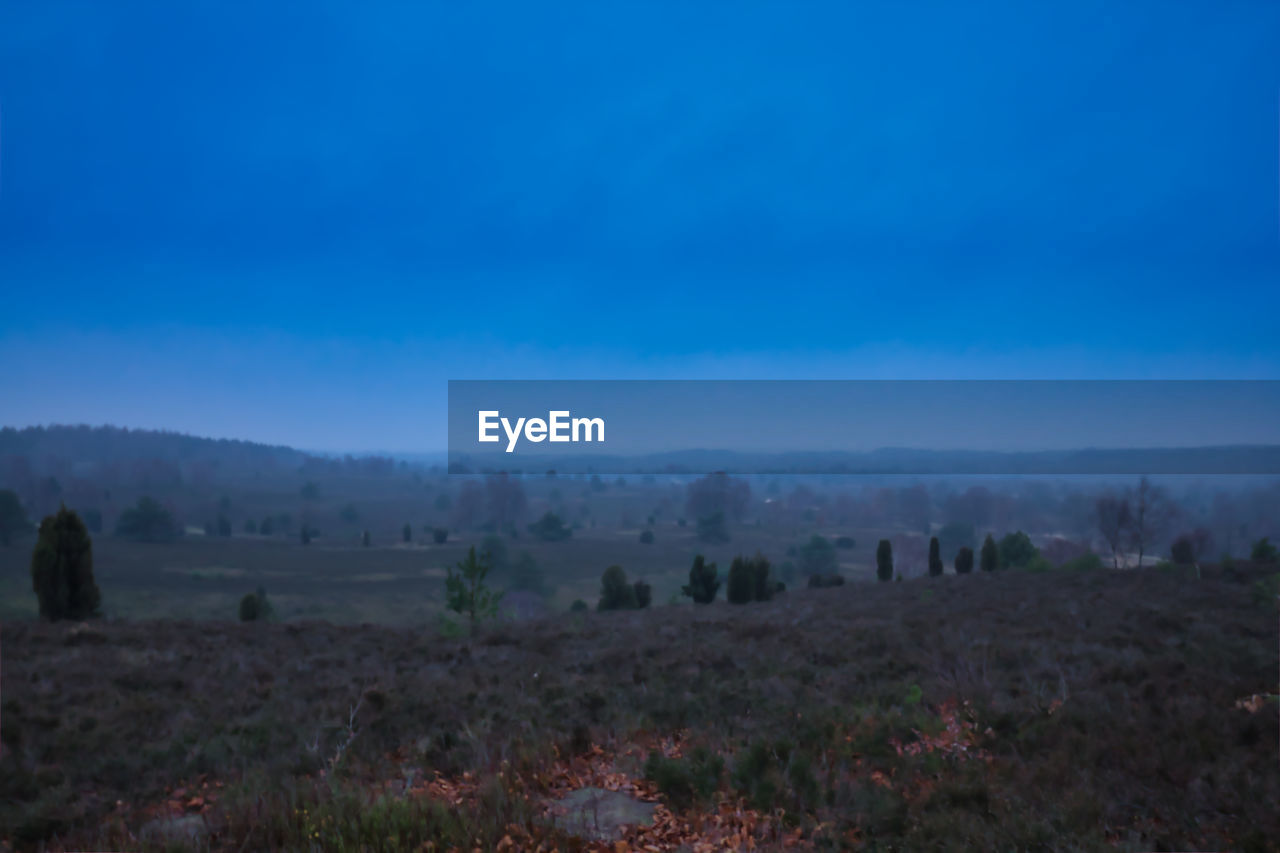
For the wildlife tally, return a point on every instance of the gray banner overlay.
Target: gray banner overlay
(865, 426)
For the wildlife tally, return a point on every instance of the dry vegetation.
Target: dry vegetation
(1011, 711)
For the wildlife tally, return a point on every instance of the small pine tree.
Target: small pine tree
(964, 561)
(62, 569)
(407, 532)
(615, 592)
(703, 583)
(466, 592)
(935, 557)
(990, 554)
(884, 560)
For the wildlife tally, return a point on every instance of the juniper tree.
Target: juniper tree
(990, 554)
(62, 568)
(703, 583)
(615, 592)
(884, 560)
(935, 557)
(964, 561)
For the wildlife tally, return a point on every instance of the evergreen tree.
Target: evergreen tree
(615, 592)
(703, 583)
(13, 519)
(466, 592)
(964, 561)
(62, 569)
(935, 557)
(990, 554)
(884, 560)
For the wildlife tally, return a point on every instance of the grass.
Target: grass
(1093, 710)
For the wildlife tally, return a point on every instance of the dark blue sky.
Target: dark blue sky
(294, 225)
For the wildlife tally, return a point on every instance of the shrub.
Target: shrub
(685, 781)
(845, 542)
(406, 533)
(817, 557)
(703, 583)
(990, 554)
(824, 581)
(365, 539)
(964, 561)
(713, 528)
(741, 586)
(1038, 563)
(884, 560)
(935, 557)
(550, 528)
(644, 595)
(1267, 590)
(646, 537)
(255, 607)
(1089, 562)
(62, 568)
(579, 606)
(1264, 552)
(1015, 550)
(615, 592)
(439, 535)
(148, 521)
(955, 535)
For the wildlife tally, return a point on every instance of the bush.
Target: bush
(685, 781)
(990, 554)
(439, 535)
(615, 592)
(550, 528)
(818, 557)
(845, 542)
(579, 606)
(148, 521)
(964, 561)
(749, 580)
(1267, 590)
(646, 537)
(62, 569)
(365, 539)
(884, 560)
(1183, 551)
(1038, 563)
(824, 581)
(1015, 550)
(644, 595)
(955, 535)
(1264, 552)
(256, 607)
(406, 533)
(703, 583)
(935, 557)
(1089, 562)
(713, 528)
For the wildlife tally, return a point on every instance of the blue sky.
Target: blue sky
(296, 224)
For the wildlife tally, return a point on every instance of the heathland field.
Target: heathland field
(1004, 711)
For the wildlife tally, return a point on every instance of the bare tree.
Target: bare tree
(1114, 518)
(1153, 512)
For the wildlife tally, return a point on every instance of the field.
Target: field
(1096, 710)
(201, 577)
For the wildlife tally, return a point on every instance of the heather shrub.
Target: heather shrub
(62, 568)
(685, 781)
